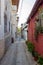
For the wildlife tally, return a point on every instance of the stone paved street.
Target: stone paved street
(17, 55)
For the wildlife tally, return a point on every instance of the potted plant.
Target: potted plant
(30, 47)
(40, 60)
(35, 55)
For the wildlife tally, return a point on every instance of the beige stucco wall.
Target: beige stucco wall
(2, 47)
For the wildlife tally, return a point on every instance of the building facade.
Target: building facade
(7, 23)
(5, 26)
(24, 31)
(14, 18)
(35, 26)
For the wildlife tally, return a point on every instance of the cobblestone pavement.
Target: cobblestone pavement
(17, 55)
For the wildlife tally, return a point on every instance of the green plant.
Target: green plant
(35, 54)
(30, 46)
(41, 29)
(38, 29)
(40, 60)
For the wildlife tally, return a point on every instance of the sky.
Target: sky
(25, 7)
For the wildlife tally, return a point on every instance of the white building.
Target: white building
(5, 26)
(14, 18)
(24, 31)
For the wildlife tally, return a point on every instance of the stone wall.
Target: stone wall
(2, 48)
(7, 41)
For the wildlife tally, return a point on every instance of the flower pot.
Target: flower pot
(35, 58)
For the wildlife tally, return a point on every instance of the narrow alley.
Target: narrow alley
(17, 55)
(21, 32)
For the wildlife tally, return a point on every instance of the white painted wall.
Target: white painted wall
(8, 12)
(25, 34)
(14, 20)
(2, 20)
(4, 40)
(24, 31)
(2, 45)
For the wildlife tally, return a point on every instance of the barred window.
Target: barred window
(41, 16)
(41, 19)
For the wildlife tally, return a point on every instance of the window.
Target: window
(41, 19)
(37, 20)
(41, 16)
(6, 8)
(5, 23)
(9, 26)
